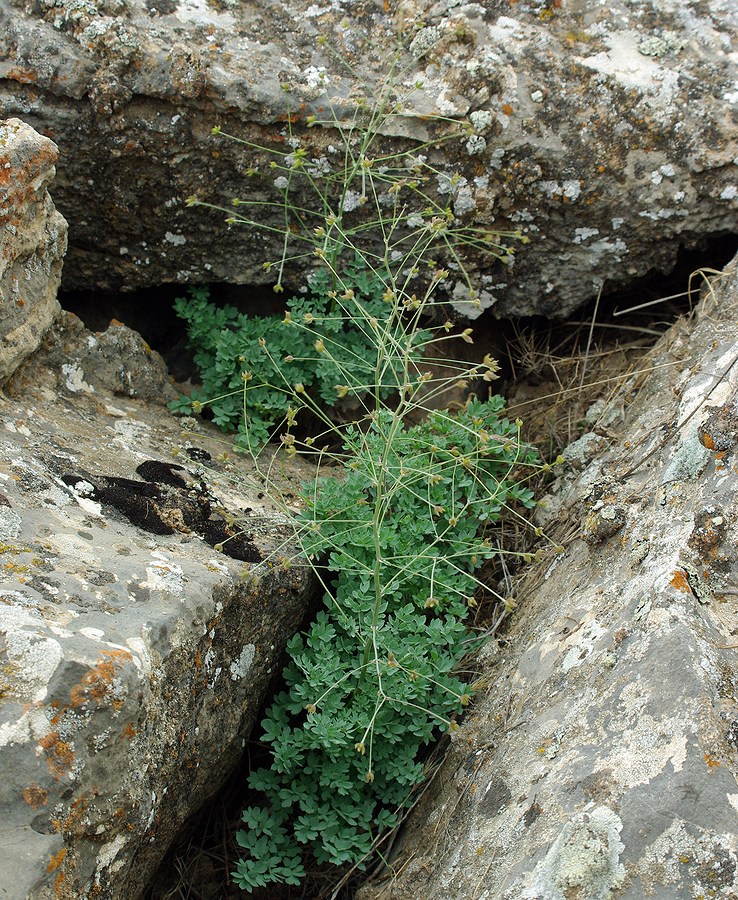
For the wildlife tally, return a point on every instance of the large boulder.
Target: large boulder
(607, 135)
(33, 240)
(146, 593)
(601, 760)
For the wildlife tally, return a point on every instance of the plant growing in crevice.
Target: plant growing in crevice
(400, 527)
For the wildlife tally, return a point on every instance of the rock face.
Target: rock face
(140, 627)
(606, 134)
(602, 760)
(33, 240)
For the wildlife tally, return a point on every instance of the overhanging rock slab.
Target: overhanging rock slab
(605, 133)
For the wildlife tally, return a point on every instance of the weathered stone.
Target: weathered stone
(116, 360)
(33, 240)
(605, 134)
(136, 644)
(602, 760)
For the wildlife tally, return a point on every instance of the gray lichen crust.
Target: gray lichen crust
(604, 133)
(134, 654)
(33, 240)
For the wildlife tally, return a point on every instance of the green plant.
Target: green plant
(398, 531)
(372, 680)
(249, 365)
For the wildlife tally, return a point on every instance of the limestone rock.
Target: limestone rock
(117, 360)
(33, 240)
(602, 760)
(146, 593)
(607, 135)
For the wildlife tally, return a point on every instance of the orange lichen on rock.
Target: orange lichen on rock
(96, 683)
(56, 860)
(679, 581)
(712, 763)
(35, 796)
(59, 755)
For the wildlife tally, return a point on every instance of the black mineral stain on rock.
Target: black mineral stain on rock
(496, 798)
(717, 873)
(197, 454)
(161, 7)
(163, 473)
(165, 503)
(532, 813)
(708, 534)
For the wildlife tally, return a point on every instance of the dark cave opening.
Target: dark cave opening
(659, 296)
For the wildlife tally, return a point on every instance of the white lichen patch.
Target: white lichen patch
(316, 76)
(584, 640)
(625, 63)
(584, 234)
(34, 658)
(241, 667)
(164, 577)
(481, 119)
(10, 524)
(200, 12)
(131, 434)
(74, 379)
(108, 852)
(70, 546)
(584, 860)
(665, 44)
(646, 750)
(82, 491)
(475, 145)
(31, 726)
(141, 656)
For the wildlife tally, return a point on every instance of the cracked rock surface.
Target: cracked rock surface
(135, 647)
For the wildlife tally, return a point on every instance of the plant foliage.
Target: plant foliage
(398, 531)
